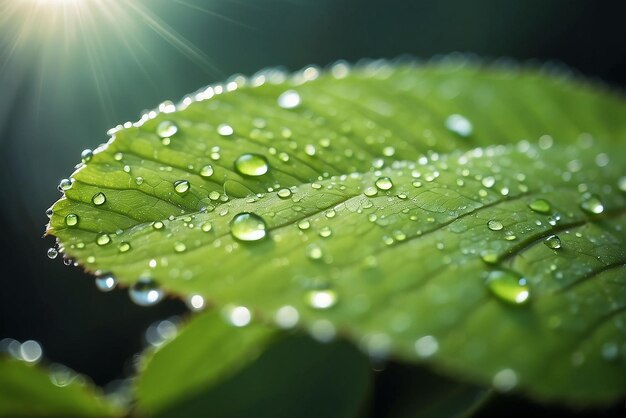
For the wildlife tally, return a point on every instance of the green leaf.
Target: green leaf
(426, 265)
(206, 352)
(29, 391)
(205, 374)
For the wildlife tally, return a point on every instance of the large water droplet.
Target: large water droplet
(182, 186)
(553, 242)
(541, 206)
(30, 351)
(157, 225)
(384, 183)
(145, 292)
(284, 193)
(239, 316)
(591, 204)
(248, 227)
(98, 199)
(508, 286)
(314, 252)
(251, 165)
(124, 247)
(166, 129)
(460, 125)
(321, 299)
(495, 225)
(106, 283)
(180, 247)
(71, 219)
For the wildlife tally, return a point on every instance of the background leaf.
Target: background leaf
(424, 265)
(28, 391)
(205, 375)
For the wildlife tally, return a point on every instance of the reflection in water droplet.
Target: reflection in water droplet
(591, 204)
(426, 346)
(99, 199)
(71, 219)
(495, 225)
(541, 206)
(289, 99)
(103, 239)
(206, 171)
(384, 183)
(167, 129)
(248, 227)
(460, 125)
(553, 242)
(182, 186)
(505, 380)
(251, 165)
(106, 283)
(145, 292)
(321, 299)
(508, 286)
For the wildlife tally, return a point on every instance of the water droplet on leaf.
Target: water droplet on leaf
(508, 286)
(166, 129)
(540, 206)
(182, 186)
(145, 292)
(248, 227)
(98, 199)
(553, 242)
(495, 225)
(252, 165)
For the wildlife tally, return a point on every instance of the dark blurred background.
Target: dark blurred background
(72, 69)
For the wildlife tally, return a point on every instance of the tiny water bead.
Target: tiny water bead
(65, 185)
(103, 239)
(384, 183)
(206, 171)
(106, 283)
(238, 316)
(284, 193)
(52, 253)
(86, 155)
(71, 219)
(225, 129)
(98, 199)
(157, 225)
(508, 286)
(489, 257)
(314, 252)
(553, 242)
(166, 129)
(145, 292)
(287, 317)
(252, 165)
(182, 186)
(426, 346)
(289, 99)
(460, 125)
(124, 246)
(321, 299)
(196, 303)
(180, 247)
(591, 204)
(247, 226)
(304, 224)
(206, 227)
(495, 225)
(540, 206)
